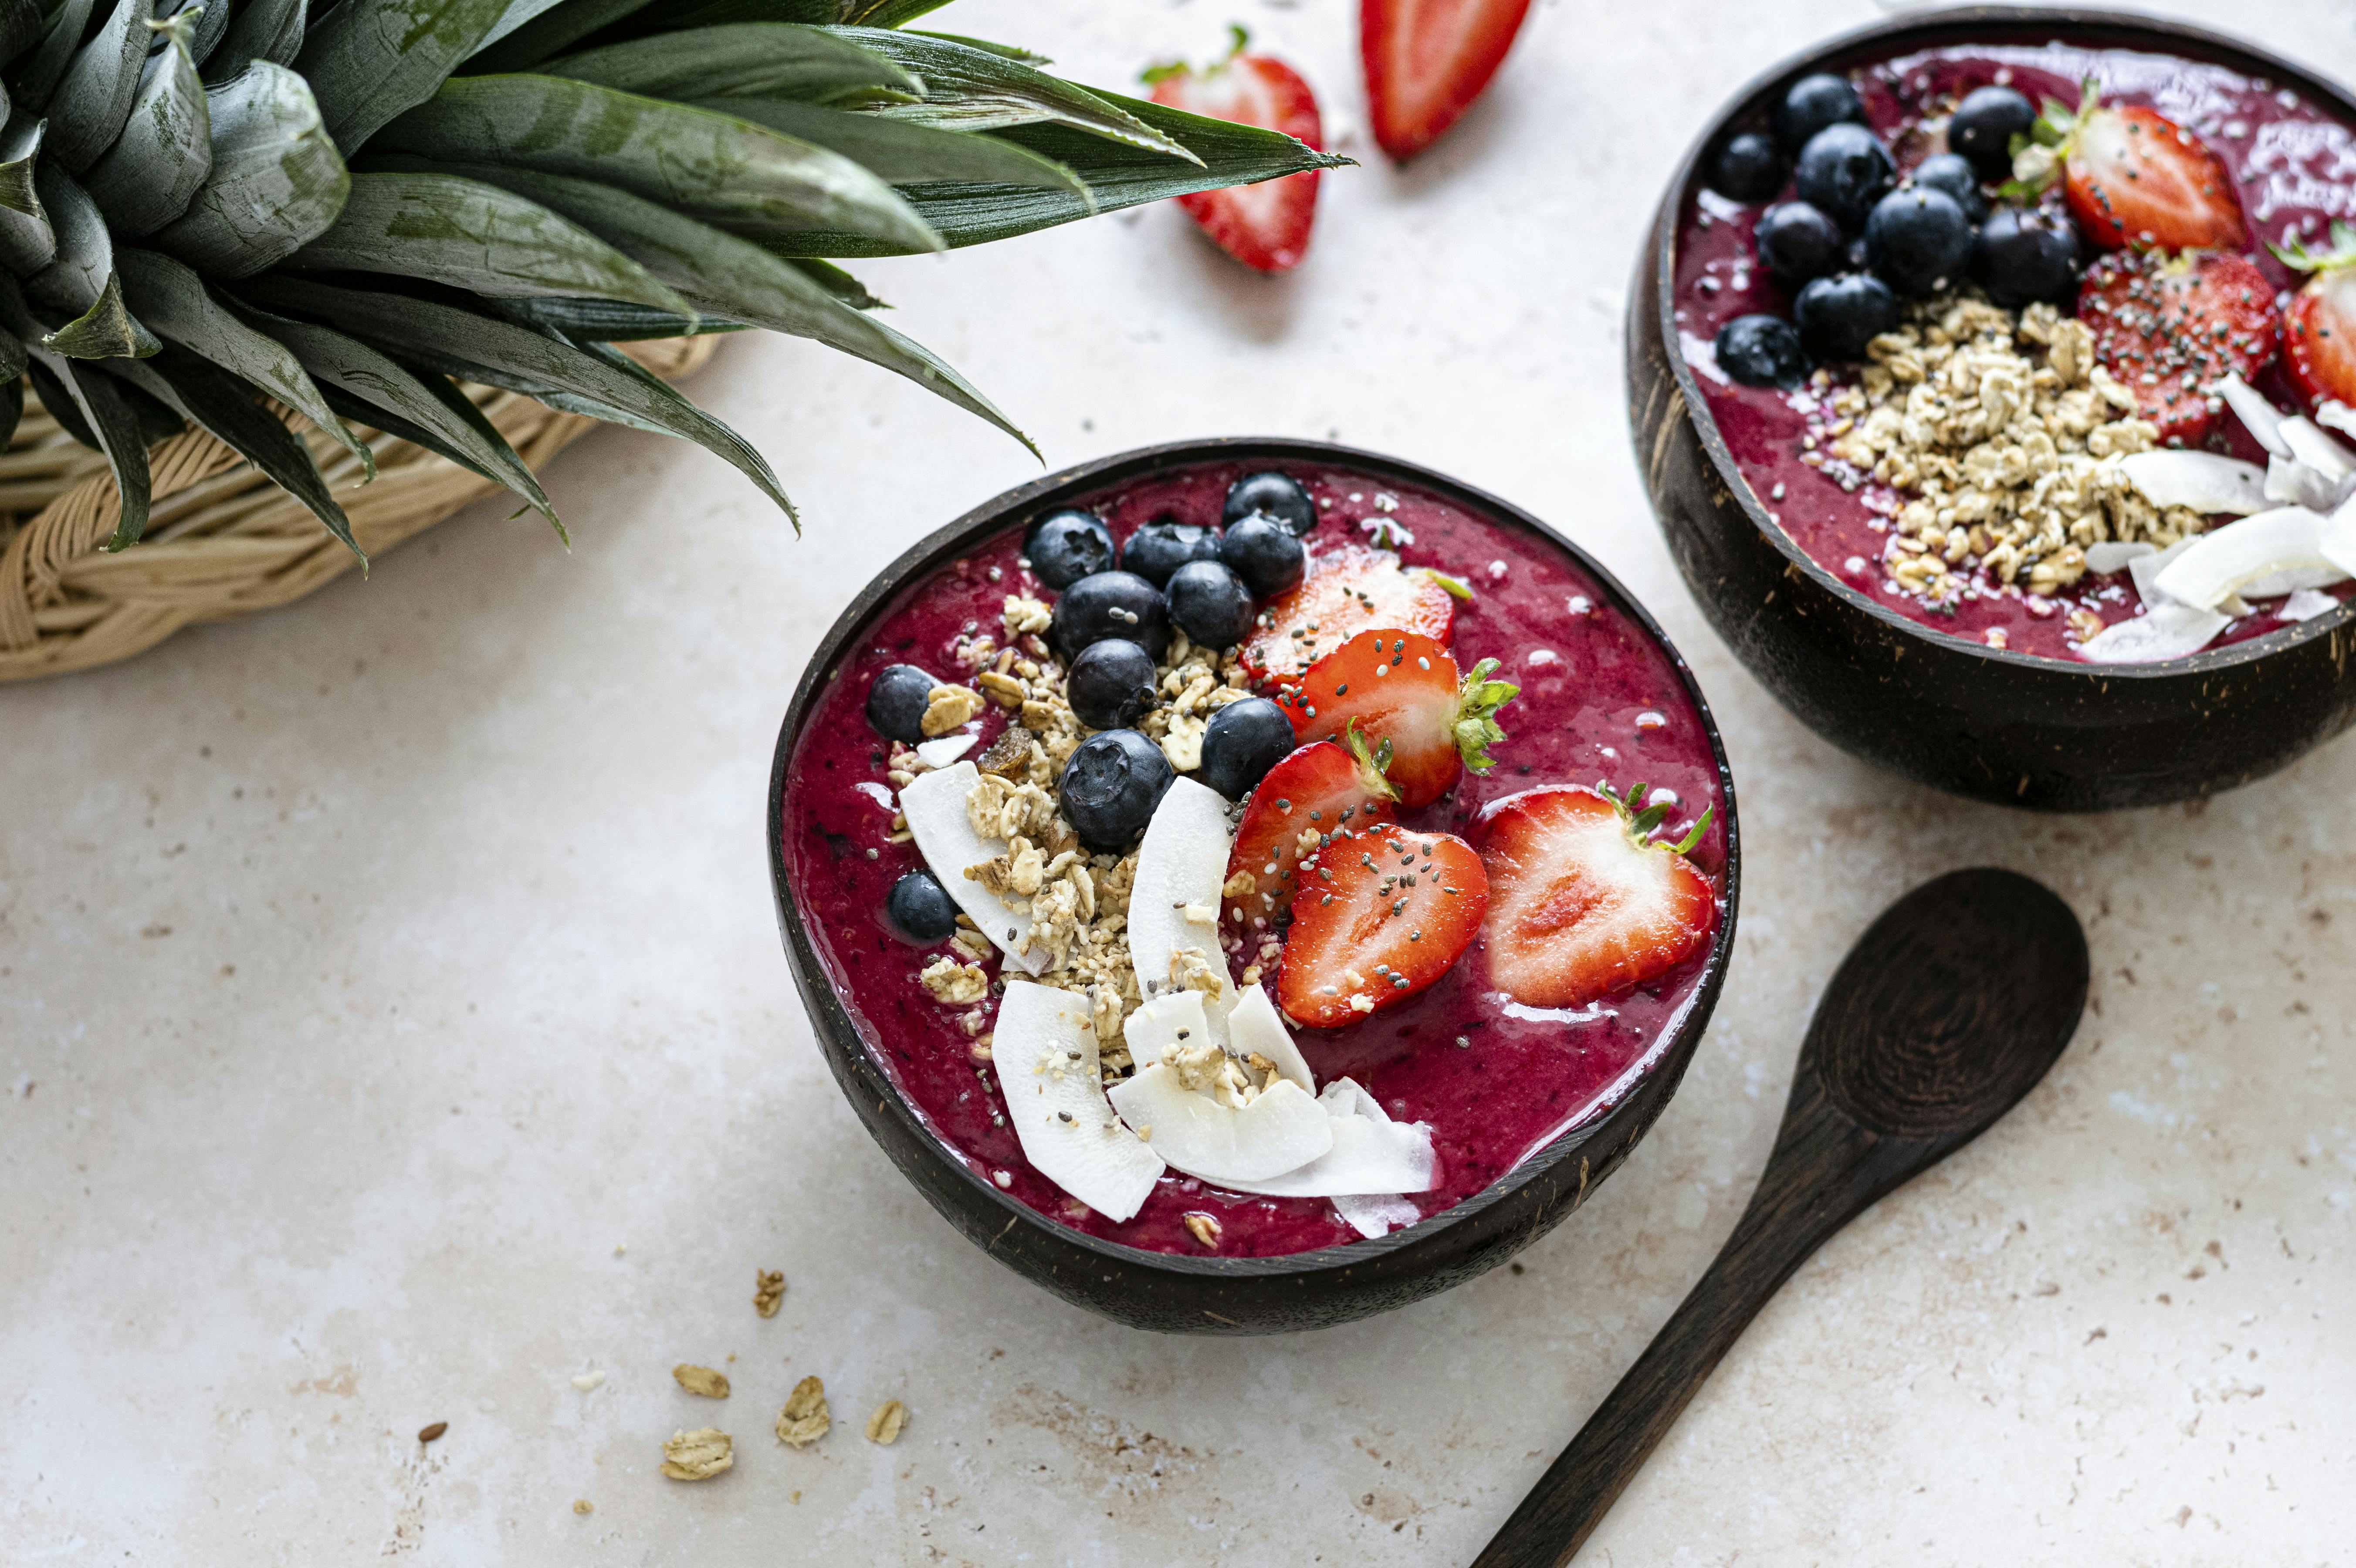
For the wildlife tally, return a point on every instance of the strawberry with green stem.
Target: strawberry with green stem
(2319, 323)
(1264, 225)
(2133, 179)
(1403, 687)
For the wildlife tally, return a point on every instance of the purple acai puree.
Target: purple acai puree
(1600, 700)
(2293, 165)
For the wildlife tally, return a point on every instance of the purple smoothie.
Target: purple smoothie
(2293, 165)
(1600, 700)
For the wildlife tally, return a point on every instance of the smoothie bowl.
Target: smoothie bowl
(1251, 885)
(1993, 376)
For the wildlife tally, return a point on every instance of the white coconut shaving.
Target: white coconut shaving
(1372, 1155)
(2200, 480)
(2219, 563)
(933, 805)
(940, 753)
(1374, 1218)
(1182, 864)
(2290, 483)
(1254, 1026)
(2304, 605)
(2161, 632)
(2110, 556)
(2259, 417)
(1044, 1047)
(1281, 1129)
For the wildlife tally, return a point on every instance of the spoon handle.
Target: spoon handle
(1811, 1188)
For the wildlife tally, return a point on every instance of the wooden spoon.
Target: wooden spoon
(1949, 1009)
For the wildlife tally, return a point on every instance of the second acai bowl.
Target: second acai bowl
(1249, 885)
(1994, 380)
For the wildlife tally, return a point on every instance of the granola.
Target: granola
(805, 1418)
(768, 1291)
(703, 1381)
(698, 1455)
(883, 1426)
(954, 983)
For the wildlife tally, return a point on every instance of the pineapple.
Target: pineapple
(344, 208)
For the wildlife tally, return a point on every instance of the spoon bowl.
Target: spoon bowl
(1949, 1009)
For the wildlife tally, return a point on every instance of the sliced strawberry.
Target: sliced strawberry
(1427, 60)
(1348, 590)
(1584, 903)
(1265, 225)
(1318, 791)
(2134, 178)
(1381, 913)
(2320, 324)
(1402, 688)
(2186, 322)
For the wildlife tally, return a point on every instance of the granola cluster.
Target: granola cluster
(2000, 436)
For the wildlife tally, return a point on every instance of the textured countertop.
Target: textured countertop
(392, 1023)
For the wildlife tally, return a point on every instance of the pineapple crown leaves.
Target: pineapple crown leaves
(352, 209)
(1475, 728)
(1374, 765)
(2293, 251)
(1238, 40)
(2038, 153)
(1644, 822)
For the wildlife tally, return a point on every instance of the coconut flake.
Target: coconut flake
(933, 805)
(2164, 631)
(1254, 1026)
(1372, 1155)
(2275, 584)
(2336, 541)
(1283, 1129)
(2291, 483)
(1044, 1047)
(2220, 562)
(2259, 417)
(1181, 867)
(2316, 449)
(2200, 480)
(1374, 1218)
(2337, 415)
(2106, 558)
(940, 753)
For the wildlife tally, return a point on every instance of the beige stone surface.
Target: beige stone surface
(392, 1023)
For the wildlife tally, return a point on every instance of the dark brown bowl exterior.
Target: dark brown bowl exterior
(1233, 1296)
(1995, 725)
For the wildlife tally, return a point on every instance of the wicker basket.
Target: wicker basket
(222, 540)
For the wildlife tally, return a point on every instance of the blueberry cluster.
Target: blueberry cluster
(1855, 240)
(1116, 606)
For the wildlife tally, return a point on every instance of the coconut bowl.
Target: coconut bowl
(1985, 722)
(1210, 1295)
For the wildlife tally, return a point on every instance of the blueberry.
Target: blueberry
(1748, 168)
(1164, 545)
(1983, 126)
(1271, 495)
(1838, 316)
(1210, 604)
(1918, 239)
(1110, 683)
(896, 702)
(1796, 242)
(1110, 787)
(1111, 604)
(1762, 351)
(1947, 172)
(1811, 103)
(1245, 740)
(1064, 547)
(1843, 170)
(920, 908)
(1265, 554)
(2025, 255)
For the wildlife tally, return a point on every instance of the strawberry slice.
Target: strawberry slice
(2186, 322)
(1584, 903)
(1427, 60)
(1348, 591)
(1314, 792)
(1402, 687)
(1381, 914)
(2134, 178)
(1264, 226)
(2320, 324)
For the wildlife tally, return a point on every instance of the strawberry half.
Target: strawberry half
(1348, 591)
(2187, 322)
(1264, 225)
(1402, 689)
(1381, 914)
(1314, 792)
(1427, 60)
(2320, 324)
(2134, 178)
(1583, 903)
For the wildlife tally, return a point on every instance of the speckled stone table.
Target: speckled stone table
(392, 1024)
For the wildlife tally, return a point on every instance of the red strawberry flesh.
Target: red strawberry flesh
(1264, 226)
(1402, 689)
(1318, 791)
(2320, 338)
(1348, 589)
(2167, 328)
(2135, 179)
(1381, 913)
(1427, 60)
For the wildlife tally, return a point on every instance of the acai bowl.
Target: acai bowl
(1984, 372)
(1302, 970)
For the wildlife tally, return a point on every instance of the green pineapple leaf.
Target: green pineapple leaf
(887, 13)
(112, 424)
(476, 236)
(184, 310)
(11, 408)
(21, 24)
(268, 30)
(147, 178)
(368, 61)
(968, 89)
(91, 104)
(1014, 52)
(33, 81)
(546, 33)
(608, 321)
(276, 184)
(727, 171)
(768, 60)
(79, 289)
(210, 25)
(902, 152)
(107, 330)
(28, 243)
